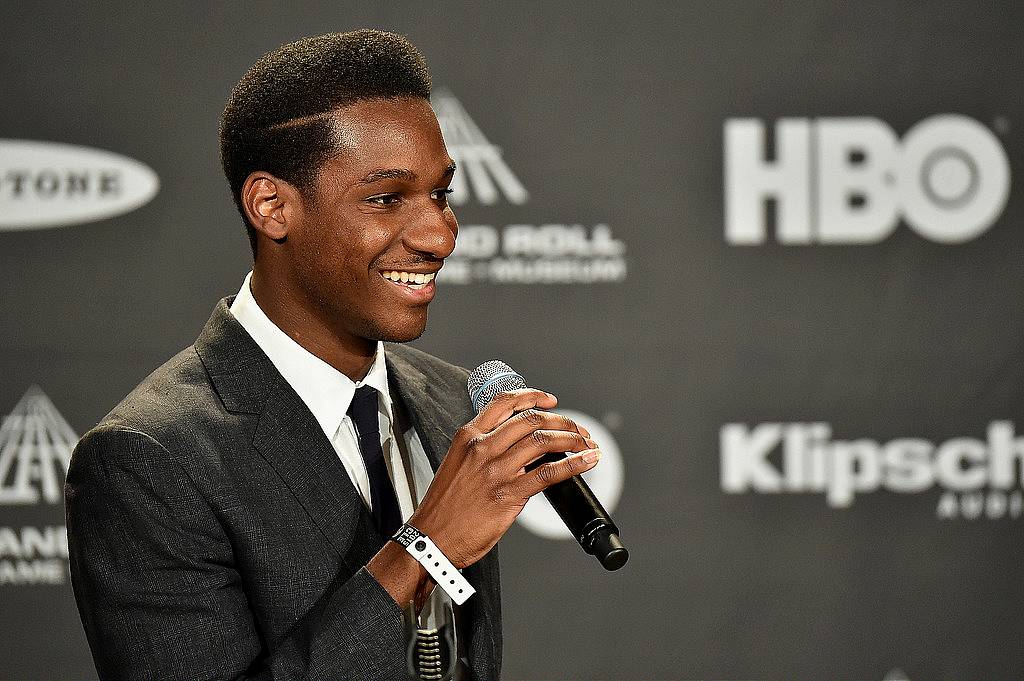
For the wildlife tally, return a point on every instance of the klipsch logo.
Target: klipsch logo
(35, 450)
(978, 478)
(45, 184)
(849, 180)
(550, 252)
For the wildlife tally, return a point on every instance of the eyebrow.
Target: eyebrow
(400, 174)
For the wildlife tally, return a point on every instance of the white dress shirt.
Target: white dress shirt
(328, 393)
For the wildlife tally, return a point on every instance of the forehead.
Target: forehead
(388, 133)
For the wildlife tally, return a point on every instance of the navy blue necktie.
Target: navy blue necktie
(363, 411)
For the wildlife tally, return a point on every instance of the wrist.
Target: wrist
(401, 575)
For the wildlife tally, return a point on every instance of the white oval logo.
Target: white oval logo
(605, 480)
(46, 184)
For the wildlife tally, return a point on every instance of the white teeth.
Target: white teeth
(411, 278)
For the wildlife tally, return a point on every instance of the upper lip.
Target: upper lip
(411, 270)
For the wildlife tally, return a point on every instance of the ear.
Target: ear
(269, 203)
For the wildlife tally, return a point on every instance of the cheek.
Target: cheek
(376, 245)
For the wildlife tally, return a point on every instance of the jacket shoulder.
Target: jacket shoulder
(177, 408)
(163, 398)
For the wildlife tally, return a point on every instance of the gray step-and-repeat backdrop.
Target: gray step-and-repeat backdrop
(770, 253)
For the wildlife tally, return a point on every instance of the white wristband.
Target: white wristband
(437, 565)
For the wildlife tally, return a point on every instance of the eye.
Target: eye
(440, 194)
(383, 199)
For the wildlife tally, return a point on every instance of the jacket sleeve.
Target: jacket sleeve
(160, 596)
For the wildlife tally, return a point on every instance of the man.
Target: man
(230, 518)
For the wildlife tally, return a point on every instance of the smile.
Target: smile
(414, 280)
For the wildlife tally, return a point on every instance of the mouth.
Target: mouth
(413, 280)
(418, 287)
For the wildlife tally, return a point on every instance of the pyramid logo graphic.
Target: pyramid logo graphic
(481, 167)
(35, 450)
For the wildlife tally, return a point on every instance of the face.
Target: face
(364, 251)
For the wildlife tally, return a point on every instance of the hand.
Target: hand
(482, 486)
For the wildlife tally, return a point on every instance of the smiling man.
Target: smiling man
(230, 519)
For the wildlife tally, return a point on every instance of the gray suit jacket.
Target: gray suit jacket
(214, 534)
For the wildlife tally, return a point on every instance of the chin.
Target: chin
(400, 337)
(400, 331)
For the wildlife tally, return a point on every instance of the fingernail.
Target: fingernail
(583, 431)
(591, 455)
(590, 443)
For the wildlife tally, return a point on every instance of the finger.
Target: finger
(514, 429)
(541, 442)
(505, 404)
(551, 473)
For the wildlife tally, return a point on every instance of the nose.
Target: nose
(433, 233)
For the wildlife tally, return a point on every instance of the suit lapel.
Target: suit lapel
(291, 440)
(288, 437)
(429, 416)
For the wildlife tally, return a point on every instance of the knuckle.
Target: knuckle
(532, 417)
(475, 444)
(540, 438)
(463, 435)
(504, 397)
(499, 495)
(546, 474)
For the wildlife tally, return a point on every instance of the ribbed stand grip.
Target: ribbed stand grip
(428, 655)
(431, 654)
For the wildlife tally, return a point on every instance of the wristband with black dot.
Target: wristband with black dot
(437, 565)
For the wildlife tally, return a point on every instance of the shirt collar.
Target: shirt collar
(325, 390)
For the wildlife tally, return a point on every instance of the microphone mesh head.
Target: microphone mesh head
(489, 379)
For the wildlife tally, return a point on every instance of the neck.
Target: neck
(351, 355)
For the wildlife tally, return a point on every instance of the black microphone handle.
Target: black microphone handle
(585, 517)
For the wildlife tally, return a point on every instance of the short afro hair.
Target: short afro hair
(277, 118)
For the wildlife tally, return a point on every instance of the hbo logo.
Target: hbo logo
(848, 180)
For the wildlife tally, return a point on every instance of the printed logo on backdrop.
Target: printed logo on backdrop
(605, 480)
(976, 478)
(844, 181)
(45, 184)
(557, 251)
(35, 450)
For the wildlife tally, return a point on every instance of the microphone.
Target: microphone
(572, 499)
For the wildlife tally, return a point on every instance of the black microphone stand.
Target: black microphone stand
(430, 653)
